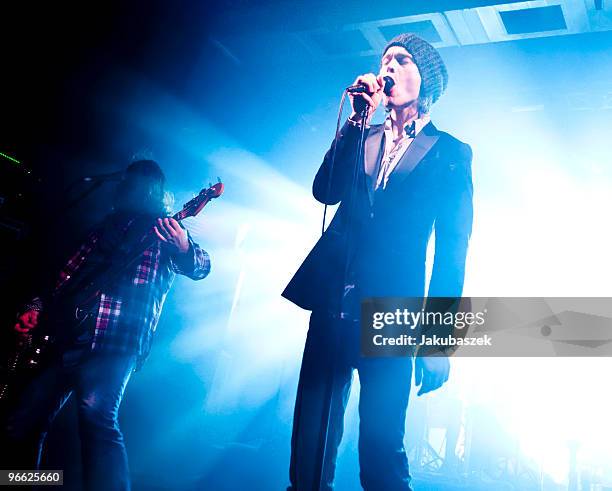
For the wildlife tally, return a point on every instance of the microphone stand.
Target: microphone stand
(341, 315)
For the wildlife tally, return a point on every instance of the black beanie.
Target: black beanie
(434, 77)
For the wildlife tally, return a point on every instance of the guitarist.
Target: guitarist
(95, 360)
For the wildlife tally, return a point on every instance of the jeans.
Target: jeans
(98, 382)
(331, 354)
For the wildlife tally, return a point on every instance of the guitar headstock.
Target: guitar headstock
(195, 205)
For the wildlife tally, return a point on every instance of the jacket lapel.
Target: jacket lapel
(415, 153)
(372, 156)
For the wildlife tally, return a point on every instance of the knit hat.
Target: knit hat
(434, 77)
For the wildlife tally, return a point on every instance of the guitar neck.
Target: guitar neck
(180, 215)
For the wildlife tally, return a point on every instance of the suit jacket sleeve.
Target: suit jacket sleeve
(453, 227)
(330, 183)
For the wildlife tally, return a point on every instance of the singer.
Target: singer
(412, 179)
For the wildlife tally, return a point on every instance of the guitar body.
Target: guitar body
(29, 352)
(26, 354)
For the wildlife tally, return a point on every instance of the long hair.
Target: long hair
(142, 190)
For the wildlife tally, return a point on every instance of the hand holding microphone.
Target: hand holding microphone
(367, 92)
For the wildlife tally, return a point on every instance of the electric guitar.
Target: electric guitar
(69, 315)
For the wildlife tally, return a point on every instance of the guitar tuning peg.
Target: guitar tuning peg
(218, 179)
(209, 184)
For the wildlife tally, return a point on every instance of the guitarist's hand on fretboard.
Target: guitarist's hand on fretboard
(27, 321)
(171, 233)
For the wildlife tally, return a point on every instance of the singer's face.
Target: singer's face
(398, 64)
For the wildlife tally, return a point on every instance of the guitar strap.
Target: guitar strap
(120, 241)
(118, 247)
(119, 238)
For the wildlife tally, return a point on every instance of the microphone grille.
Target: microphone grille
(389, 83)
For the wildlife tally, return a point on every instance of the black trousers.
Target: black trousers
(330, 356)
(98, 383)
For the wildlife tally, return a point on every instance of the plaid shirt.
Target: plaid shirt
(129, 308)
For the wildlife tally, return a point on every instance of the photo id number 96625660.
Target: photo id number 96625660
(27, 478)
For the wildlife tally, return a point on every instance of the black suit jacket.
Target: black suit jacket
(386, 235)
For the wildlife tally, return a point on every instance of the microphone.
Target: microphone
(360, 89)
(112, 176)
